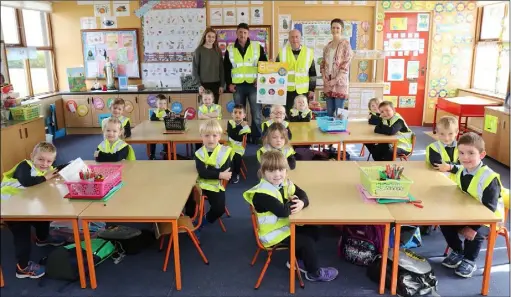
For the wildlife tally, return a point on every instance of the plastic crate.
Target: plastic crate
(370, 178)
(96, 189)
(175, 123)
(319, 113)
(25, 112)
(331, 124)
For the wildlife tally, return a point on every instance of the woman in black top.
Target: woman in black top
(208, 67)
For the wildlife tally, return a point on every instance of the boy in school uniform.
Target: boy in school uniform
(30, 173)
(158, 115)
(213, 163)
(484, 185)
(391, 124)
(237, 128)
(117, 109)
(277, 115)
(443, 153)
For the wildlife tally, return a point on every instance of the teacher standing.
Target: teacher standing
(208, 67)
(335, 68)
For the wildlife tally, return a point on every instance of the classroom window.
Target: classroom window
(31, 74)
(491, 58)
(9, 23)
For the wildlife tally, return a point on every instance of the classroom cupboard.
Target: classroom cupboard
(497, 139)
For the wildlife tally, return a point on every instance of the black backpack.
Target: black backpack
(415, 276)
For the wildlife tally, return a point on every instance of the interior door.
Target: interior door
(406, 37)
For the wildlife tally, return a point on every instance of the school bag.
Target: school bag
(415, 275)
(62, 263)
(128, 240)
(359, 244)
(410, 237)
(64, 229)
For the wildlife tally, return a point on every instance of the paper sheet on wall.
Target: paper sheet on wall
(490, 123)
(121, 9)
(257, 15)
(284, 22)
(395, 69)
(215, 16)
(412, 88)
(365, 96)
(392, 99)
(412, 70)
(87, 23)
(169, 74)
(242, 15)
(386, 88)
(400, 24)
(283, 39)
(406, 101)
(422, 22)
(229, 16)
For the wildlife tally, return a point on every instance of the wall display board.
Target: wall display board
(171, 4)
(227, 35)
(172, 35)
(119, 45)
(272, 83)
(166, 75)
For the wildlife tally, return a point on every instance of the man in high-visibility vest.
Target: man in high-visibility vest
(240, 66)
(301, 78)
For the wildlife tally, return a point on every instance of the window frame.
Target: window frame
(498, 41)
(26, 62)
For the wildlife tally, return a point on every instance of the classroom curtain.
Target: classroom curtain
(31, 5)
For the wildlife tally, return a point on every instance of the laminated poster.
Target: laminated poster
(272, 83)
(398, 24)
(407, 101)
(395, 69)
(392, 99)
(257, 15)
(490, 123)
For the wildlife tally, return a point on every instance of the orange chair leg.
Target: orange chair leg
(244, 166)
(167, 254)
(254, 259)
(242, 172)
(505, 233)
(222, 225)
(446, 252)
(193, 237)
(162, 240)
(263, 271)
(299, 275)
(362, 151)
(227, 213)
(1, 279)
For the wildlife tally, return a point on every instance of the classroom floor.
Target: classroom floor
(229, 254)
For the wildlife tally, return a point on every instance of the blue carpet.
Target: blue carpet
(229, 272)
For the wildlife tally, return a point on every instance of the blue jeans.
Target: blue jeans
(332, 104)
(244, 91)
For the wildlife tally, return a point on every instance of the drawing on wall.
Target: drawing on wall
(171, 4)
(167, 75)
(407, 101)
(172, 35)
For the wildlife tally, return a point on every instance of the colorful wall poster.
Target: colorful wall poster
(490, 123)
(422, 22)
(395, 69)
(412, 70)
(272, 83)
(398, 24)
(407, 101)
(227, 36)
(392, 99)
(170, 4)
(76, 79)
(167, 75)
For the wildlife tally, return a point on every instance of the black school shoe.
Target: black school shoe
(235, 179)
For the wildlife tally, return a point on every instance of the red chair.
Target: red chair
(270, 251)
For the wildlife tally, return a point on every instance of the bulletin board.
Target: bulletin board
(120, 45)
(226, 35)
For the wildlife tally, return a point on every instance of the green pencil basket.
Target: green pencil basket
(25, 112)
(370, 178)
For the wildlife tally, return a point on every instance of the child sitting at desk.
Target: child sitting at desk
(157, 115)
(117, 109)
(208, 109)
(274, 199)
(112, 148)
(29, 173)
(276, 139)
(484, 185)
(300, 111)
(374, 114)
(237, 128)
(277, 115)
(443, 153)
(391, 124)
(213, 163)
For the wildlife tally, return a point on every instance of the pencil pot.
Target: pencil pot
(112, 175)
(175, 123)
(370, 178)
(331, 124)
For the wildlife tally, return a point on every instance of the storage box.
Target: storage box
(25, 112)
(370, 179)
(96, 189)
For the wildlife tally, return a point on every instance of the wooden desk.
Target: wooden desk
(152, 192)
(335, 200)
(444, 204)
(362, 132)
(149, 132)
(466, 107)
(308, 133)
(46, 202)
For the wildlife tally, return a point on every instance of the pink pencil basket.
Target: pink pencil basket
(89, 189)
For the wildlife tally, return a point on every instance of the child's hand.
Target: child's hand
(226, 175)
(96, 154)
(244, 123)
(468, 233)
(51, 174)
(444, 167)
(297, 205)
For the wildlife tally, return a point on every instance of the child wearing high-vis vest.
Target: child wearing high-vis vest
(274, 199)
(208, 109)
(237, 128)
(112, 148)
(117, 109)
(157, 115)
(374, 113)
(443, 153)
(277, 115)
(29, 173)
(391, 124)
(276, 140)
(213, 163)
(484, 185)
(300, 111)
